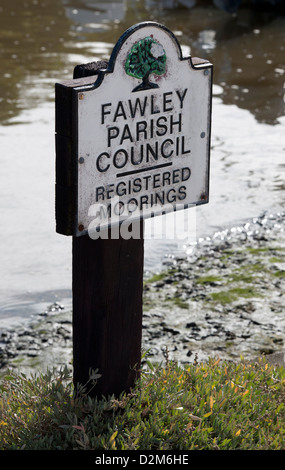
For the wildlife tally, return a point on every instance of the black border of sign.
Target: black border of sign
(69, 226)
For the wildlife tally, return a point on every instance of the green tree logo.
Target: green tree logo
(146, 57)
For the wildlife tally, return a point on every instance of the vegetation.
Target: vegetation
(214, 405)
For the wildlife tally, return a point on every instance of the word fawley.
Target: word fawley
(131, 109)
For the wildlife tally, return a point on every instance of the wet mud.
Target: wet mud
(224, 299)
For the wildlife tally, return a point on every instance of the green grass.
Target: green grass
(157, 277)
(208, 279)
(160, 276)
(180, 303)
(240, 277)
(275, 259)
(213, 405)
(265, 249)
(279, 274)
(230, 295)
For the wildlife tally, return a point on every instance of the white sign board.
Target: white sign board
(143, 131)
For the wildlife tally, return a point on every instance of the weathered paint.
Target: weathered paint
(142, 131)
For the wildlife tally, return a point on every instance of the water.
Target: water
(42, 41)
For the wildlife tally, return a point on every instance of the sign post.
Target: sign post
(132, 142)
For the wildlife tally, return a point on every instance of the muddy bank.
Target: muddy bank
(224, 298)
(45, 342)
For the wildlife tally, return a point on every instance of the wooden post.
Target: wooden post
(107, 312)
(107, 304)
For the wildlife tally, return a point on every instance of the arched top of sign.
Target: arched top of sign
(139, 29)
(146, 52)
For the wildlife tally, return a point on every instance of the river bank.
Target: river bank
(224, 298)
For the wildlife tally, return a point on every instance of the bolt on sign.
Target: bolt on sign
(133, 141)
